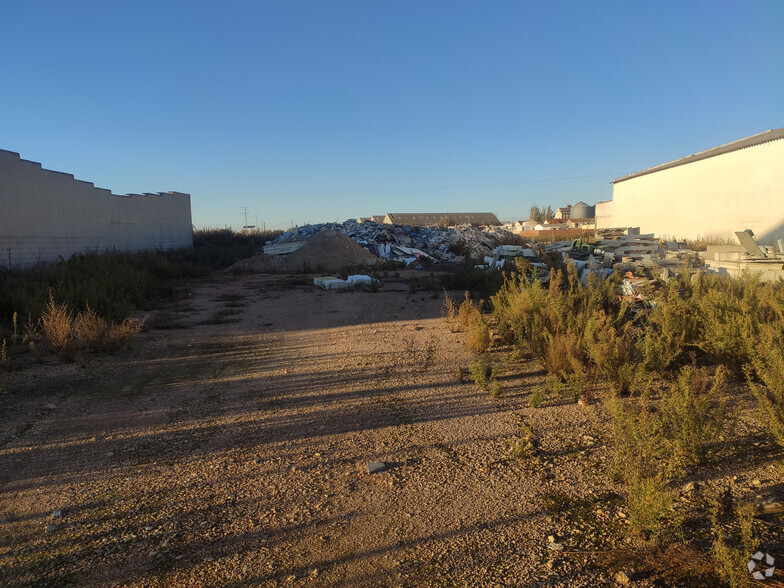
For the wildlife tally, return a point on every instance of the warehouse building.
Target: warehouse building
(424, 219)
(713, 193)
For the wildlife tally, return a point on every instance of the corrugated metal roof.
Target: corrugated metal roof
(758, 139)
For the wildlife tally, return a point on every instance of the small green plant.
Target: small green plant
(478, 335)
(483, 374)
(495, 389)
(525, 445)
(461, 373)
(649, 501)
(695, 413)
(610, 345)
(537, 397)
(468, 311)
(765, 376)
(645, 462)
(731, 552)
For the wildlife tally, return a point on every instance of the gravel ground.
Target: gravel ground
(230, 446)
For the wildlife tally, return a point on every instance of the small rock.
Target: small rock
(622, 578)
(376, 466)
(553, 546)
(621, 514)
(153, 553)
(50, 406)
(551, 538)
(57, 513)
(110, 454)
(51, 528)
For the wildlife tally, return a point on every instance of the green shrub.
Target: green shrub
(537, 397)
(645, 463)
(478, 335)
(696, 414)
(730, 553)
(765, 376)
(649, 501)
(610, 343)
(483, 374)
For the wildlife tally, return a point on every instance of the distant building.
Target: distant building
(526, 225)
(712, 193)
(557, 223)
(563, 212)
(581, 223)
(435, 218)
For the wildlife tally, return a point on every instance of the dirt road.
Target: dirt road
(230, 446)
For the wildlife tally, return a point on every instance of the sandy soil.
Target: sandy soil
(229, 446)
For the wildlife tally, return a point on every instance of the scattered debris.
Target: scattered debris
(748, 257)
(335, 283)
(622, 578)
(375, 467)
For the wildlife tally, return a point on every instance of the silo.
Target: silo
(582, 210)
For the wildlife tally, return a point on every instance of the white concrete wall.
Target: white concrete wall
(712, 197)
(45, 215)
(604, 215)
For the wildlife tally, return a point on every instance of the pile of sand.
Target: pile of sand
(324, 251)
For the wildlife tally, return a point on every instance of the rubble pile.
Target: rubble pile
(326, 250)
(409, 244)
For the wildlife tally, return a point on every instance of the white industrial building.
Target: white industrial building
(47, 215)
(713, 193)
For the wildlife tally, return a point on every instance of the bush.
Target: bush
(66, 332)
(483, 374)
(644, 463)
(765, 376)
(537, 397)
(695, 413)
(611, 346)
(57, 325)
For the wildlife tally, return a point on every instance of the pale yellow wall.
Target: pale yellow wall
(713, 197)
(45, 215)
(604, 215)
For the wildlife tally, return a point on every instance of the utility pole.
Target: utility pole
(246, 218)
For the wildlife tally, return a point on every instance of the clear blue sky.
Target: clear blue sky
(309, 111)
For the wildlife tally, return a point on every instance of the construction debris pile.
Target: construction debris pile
(411, 245)
(332, 246)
